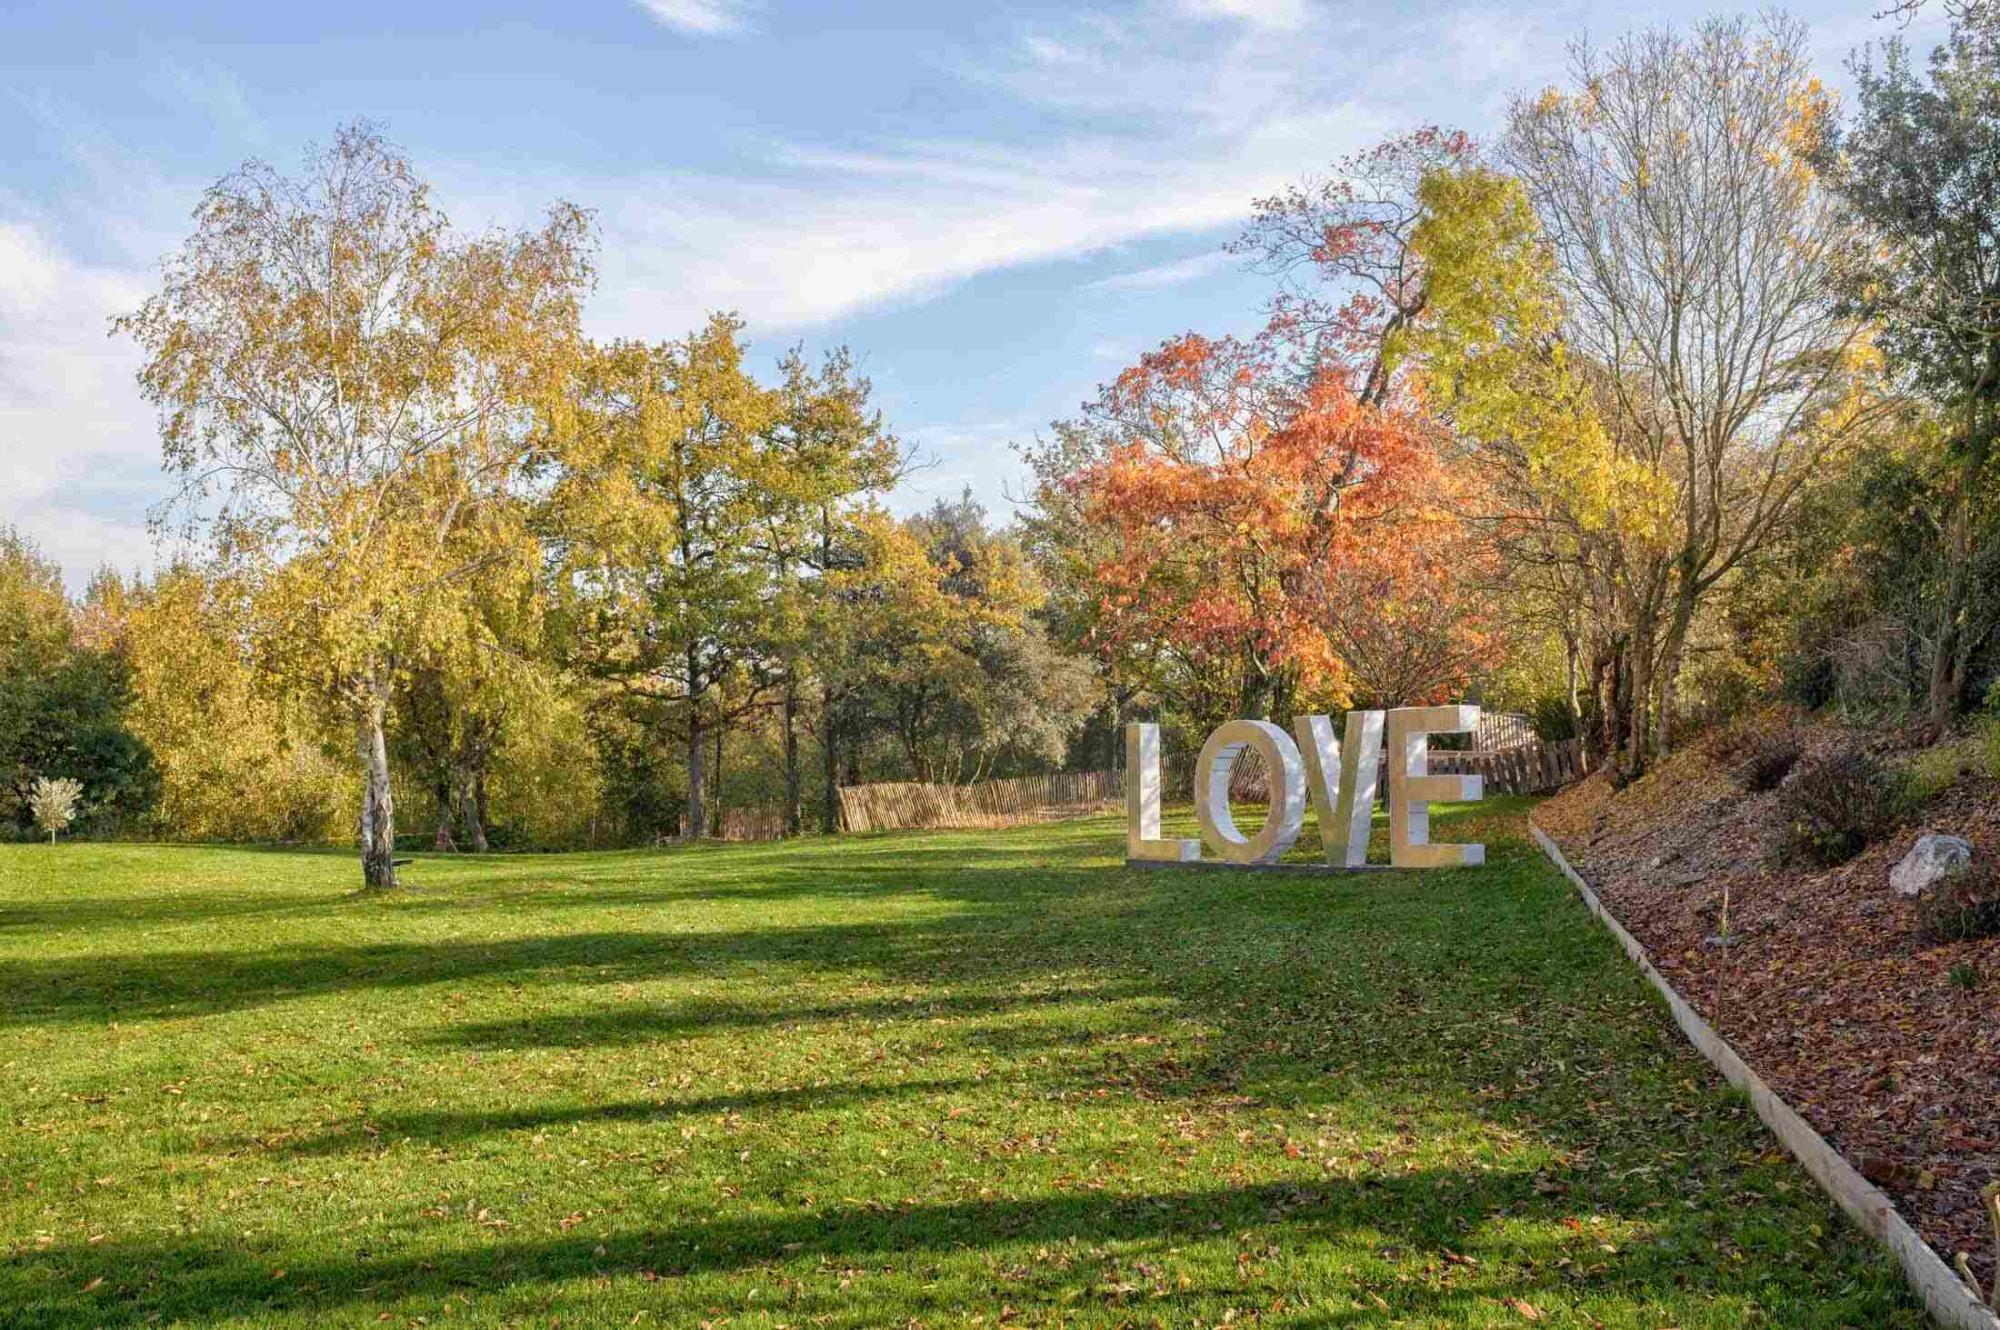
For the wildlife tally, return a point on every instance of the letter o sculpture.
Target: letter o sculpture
(1211, 792)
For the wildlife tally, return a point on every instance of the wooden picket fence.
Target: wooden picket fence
(1527, 768)
(741, 824)
(1503, 729)
(909, 805)
(753, 824)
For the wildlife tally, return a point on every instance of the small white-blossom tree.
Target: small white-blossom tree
(54, 802)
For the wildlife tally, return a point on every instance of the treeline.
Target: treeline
(920, 658)
(1671, 393)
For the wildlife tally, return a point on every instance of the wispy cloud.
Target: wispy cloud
(845, 236)
(1163, 275)
(1278, 15)
(1158, 128)
(215, 91)
(709, 18)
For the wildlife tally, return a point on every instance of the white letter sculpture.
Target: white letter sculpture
(1346, 808)
(1142, 801)
(1211, 792)
(1341, 778)
(1412, 787)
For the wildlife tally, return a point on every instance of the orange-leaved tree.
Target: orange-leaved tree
(1277, 540)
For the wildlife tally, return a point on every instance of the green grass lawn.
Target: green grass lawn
(953, 1079)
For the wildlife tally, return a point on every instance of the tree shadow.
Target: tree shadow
(1482, 994)
(625, 1026)
(444, 1129)
(176, 984)
(133, 1282)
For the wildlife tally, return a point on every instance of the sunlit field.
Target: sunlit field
(942, 1079)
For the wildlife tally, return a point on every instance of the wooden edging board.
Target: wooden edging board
(1949, 1301)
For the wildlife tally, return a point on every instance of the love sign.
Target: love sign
(1339, 776)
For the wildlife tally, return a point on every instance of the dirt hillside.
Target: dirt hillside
(1825, 988)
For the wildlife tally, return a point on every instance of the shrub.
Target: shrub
(1768, 759)
(1835, 805)
(1807, 678)
(1553, 719)
(1931, 772)
(1963, 905)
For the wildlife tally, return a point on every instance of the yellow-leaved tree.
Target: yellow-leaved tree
(664, 596)
(1576, 521)
(350, 391)
(238, 760)
(1699, 262)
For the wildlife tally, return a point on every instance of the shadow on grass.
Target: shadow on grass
(1485, 995)
(174, 984)
(1008, 923)
(444, 1129)
(200, 1281)
(624, 1027)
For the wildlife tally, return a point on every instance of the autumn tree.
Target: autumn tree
(1697, 258)
(1061, 534)
(1356, 254)
(65, 695)
(971, 681)
(876, 597)
(1248, 501)
(1339, 246)
(349, 391)
(1571, 527)
(240, 760)
(663, 591)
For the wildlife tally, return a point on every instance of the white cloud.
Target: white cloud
(709, 18)
(844, 236)
(1159, 130)
(78, 456)
(975, 455)
(215, 91)
(1161, 276)
(1277, 15)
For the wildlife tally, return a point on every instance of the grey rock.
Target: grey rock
(1932, 857)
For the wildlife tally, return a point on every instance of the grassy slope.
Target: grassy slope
(952, 1079)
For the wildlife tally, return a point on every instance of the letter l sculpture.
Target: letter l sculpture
(1142, 801)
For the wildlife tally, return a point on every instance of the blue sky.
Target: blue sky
(996, 206)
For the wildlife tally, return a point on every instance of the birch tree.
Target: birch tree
(348, 390)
